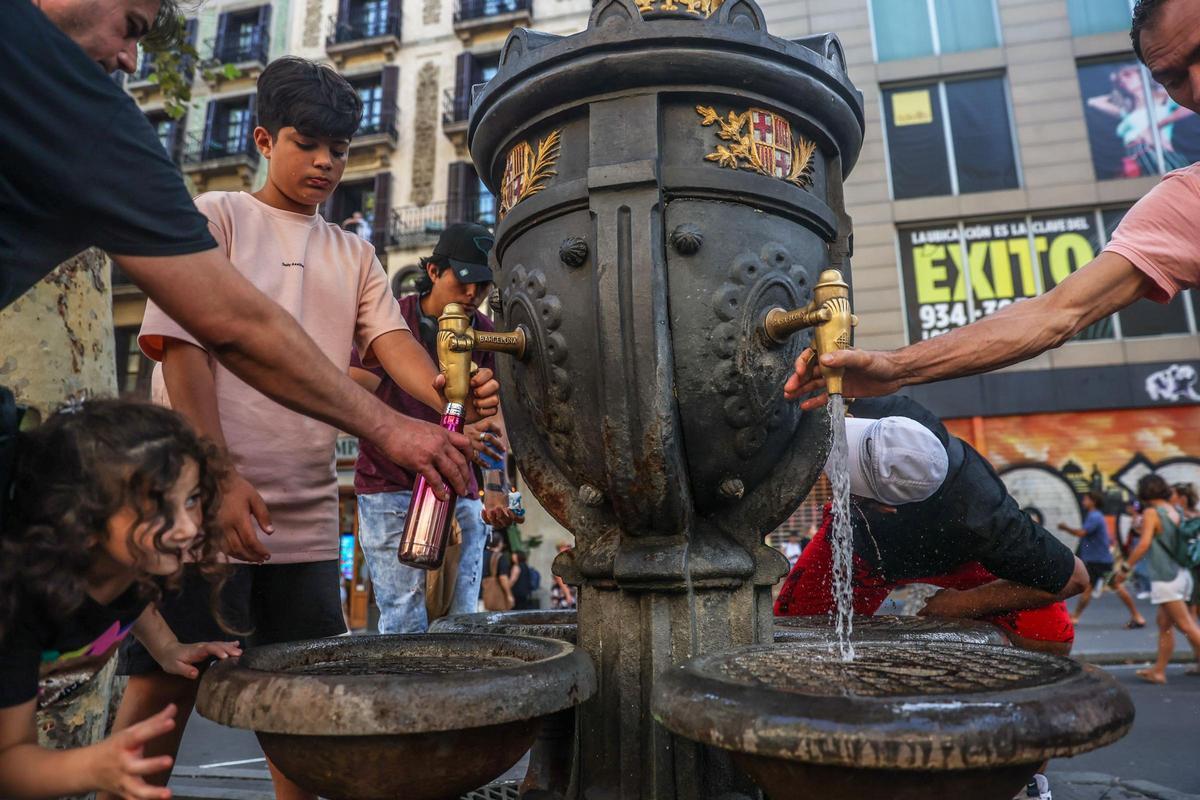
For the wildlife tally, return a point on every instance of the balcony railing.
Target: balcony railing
(236, 48)
(382, 123)
(199, 151)
(456, 108)
(471, 10)
(363, 24)
(414, 226)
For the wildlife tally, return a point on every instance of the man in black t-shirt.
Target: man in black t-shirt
(927, 508)
(82, 166)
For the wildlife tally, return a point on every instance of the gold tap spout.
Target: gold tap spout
(456, 340)
(830, 315)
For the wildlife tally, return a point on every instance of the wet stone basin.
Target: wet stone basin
(890, 628)
(424, 717)
(558, 624)
(561, 624)
(903, 721)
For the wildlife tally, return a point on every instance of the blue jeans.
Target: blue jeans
(399, 589)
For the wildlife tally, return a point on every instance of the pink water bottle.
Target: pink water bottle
(427, 528)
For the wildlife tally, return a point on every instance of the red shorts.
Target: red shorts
(808, 590)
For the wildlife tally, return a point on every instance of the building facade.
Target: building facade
(1005, 139)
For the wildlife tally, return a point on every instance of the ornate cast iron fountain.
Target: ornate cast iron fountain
(666, 177)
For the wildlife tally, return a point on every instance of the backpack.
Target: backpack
(1189, 541)
(1182, 541)
(535, 578)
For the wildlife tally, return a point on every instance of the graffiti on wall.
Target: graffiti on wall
(1048, 460)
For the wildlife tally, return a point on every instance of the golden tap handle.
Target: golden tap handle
(453, 359)
(829, 315)
(457, 340)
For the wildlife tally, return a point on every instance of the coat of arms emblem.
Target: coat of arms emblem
(526, 170)
(763, 142)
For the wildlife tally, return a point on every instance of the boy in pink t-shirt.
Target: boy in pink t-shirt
(286, 484)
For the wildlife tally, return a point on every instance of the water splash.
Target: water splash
(837, 469)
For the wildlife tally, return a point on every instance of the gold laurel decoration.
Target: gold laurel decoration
(744, 155)
(538, 170)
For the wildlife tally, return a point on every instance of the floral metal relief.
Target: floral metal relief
(763, 142)
(527, 170)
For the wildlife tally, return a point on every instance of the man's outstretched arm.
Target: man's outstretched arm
(1018, 332)
(264, 346)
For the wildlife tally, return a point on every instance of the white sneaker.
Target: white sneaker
(1038, 789)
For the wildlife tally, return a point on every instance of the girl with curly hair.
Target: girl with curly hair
(108, 500)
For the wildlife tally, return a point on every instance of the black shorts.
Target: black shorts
(273, 602)
(1097, 571)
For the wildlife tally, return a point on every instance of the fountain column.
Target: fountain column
(665, 178)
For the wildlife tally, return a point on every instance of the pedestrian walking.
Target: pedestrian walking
(1095, 551)
(1170, 581)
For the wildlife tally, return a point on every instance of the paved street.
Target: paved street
(1161, 749)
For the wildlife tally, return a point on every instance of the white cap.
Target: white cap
(894, 460)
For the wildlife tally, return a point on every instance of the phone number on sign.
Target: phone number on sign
(939, 318)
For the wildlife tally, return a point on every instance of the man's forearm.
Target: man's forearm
(1000, 596)
(255, 338)
(1027, 328)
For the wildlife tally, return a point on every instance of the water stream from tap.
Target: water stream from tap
(838, 471)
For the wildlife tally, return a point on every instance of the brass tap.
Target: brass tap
(456, 340)
(829, 313)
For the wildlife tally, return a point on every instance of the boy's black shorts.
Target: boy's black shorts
(274, 602)
(1098, 571)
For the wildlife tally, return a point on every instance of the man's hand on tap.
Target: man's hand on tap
(424, 448)
(868, 374)
(485, 394)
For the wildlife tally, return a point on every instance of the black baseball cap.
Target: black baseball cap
(465, 245)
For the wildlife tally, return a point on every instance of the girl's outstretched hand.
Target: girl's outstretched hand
(119, 767)
(178, 659)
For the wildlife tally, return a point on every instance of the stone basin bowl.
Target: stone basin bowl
(903, 721)
(890, 628)
(561, 624)
(552, 623)
(408, 717)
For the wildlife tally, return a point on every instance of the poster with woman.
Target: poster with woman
(1134, 128)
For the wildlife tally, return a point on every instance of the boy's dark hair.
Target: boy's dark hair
(424, 284)
(1144, 13)
(1097, 498)
(312, 98)
(73, 474)
(1153, 487)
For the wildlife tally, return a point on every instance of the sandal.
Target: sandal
(1150, 677)
(1133, 625)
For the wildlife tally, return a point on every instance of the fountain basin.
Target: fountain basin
(560, 624)
(902, 721)
(423, 717)
(890, 628)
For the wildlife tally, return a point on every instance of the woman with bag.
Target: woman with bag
(497, 585)
(1170, 581)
